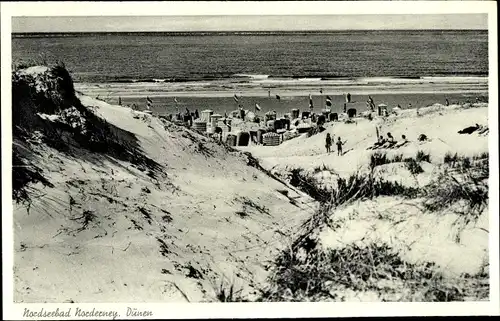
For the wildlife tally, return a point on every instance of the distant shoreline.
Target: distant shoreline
(232, 33)
(261, 88)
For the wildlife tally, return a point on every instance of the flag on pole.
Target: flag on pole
(328, 101)
(278, 97)
(257, 107)
(236, 98)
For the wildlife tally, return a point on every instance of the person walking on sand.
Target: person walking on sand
(328, 142)
(339, 146)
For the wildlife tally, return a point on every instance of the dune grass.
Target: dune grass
(422, 157)
(23, 174)
(465, 184)
(356, 186)
(412, 164)
(470, 193)
(307, 272)
(379, 158)
(322, 275)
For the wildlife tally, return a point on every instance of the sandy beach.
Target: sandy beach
(218, 96)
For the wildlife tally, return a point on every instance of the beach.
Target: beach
(196, 216)
(218, 96)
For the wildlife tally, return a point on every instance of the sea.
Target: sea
(130, 67)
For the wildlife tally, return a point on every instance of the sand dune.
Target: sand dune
(206, 218)
(163, 214)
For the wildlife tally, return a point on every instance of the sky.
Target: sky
(249, 23)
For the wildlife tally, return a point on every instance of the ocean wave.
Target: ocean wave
(252, 76)
(267, 80)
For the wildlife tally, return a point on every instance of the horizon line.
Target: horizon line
(240, 31)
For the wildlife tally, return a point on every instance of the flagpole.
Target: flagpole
(322, 100)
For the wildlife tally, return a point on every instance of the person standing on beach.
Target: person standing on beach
(242, 113)
(339, 146)
(348, 97)
(371, 102)
(328, 142)
(447, 102)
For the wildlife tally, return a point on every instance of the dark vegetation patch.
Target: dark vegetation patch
(249, 206)
(249, 203)
(361, 268)
(379, 158)
(163, 247)
(321, 168)
(464, 163)
(167, 218)
(422, 157)
(227, 292)
(242, 214)
(471, 191)
(193, 272)
(145, 213)
(85, 219)
(137, 226)
(412, 164)
(24, 173)
(356, 186)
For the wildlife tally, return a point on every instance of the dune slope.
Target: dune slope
(113, 205)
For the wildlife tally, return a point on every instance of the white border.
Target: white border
(269, 310)
(207, 8)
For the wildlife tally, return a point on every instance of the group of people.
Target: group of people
(382, 142)
(389, 142)
(339, 144)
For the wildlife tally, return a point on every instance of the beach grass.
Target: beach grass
(328, 275)
(309, 272)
